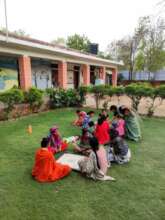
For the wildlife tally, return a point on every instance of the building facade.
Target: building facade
(28, 62)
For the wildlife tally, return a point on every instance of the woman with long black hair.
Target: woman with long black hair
(95, 166)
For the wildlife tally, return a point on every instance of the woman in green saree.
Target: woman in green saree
(132, 125)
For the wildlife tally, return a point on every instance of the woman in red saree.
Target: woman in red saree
(102, 130)
(46, 169)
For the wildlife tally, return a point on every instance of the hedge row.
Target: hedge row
(64, 98)
(136, 91)
(73, 98)
(16, 96)
(34, 97)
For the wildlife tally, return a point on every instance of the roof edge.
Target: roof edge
(58, 47)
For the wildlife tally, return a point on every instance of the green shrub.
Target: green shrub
(59, 98)
(118, 91)
(99, 91)
(105, 105)
(34, 97)
(65, 98)
(83, 90)
(160, 91)
(10, 98)
(49, 91)
(136, 91)
(111, 91)
(73, 98)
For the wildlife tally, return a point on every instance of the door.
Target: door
(76, 76)
(55, 81)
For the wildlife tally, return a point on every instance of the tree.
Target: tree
(78, 42)
(125, 50)
(19, 32)
(104, 55)
(151, 54)
(59, 41)
(160, 7)
(144, 50)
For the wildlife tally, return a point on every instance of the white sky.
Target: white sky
(101, 20)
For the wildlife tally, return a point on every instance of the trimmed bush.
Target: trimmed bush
(34, 97)
(99, 91)
(136, 91)
(10, 98)
(160, 91)
(74, 98)
(64, 98)
(83, 90)
(118, 91)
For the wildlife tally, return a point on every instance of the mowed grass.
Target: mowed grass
(138, 193)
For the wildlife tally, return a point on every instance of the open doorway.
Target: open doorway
(76, 76)
(55, 78)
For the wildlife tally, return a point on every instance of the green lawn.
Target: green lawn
(138, 193)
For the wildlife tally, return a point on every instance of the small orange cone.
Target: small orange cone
(29, 129)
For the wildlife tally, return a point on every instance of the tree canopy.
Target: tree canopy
(78, 42)
(59, 41)
(144, 50)
(19, 32)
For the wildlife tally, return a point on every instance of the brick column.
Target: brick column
(114, 77)
(102, 72)
(25, 72)
(86, 74)
(62, 74)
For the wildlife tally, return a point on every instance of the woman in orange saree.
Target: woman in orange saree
(46, 169)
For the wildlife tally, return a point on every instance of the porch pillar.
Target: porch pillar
(62, 74)
(25, 72)
(114, 77)
(86, 74)
(102, 72)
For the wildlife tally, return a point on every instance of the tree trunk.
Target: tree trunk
(97, 101)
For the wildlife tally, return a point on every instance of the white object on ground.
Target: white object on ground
(109, 178)
(71, 160)
(70, 139)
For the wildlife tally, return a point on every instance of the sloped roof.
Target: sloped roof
(31, 42)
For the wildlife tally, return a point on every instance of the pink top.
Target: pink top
(102, 159)
(121, 127)
(82, 114)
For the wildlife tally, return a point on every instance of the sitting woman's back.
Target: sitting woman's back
(102, 159)
(119, 151)
(95, 166)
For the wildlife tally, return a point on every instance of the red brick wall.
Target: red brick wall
(114, 77)
(86, 74)
(62, 74)
(25, 72)
(103, 73)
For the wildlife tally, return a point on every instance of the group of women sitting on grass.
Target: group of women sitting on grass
(102, 143)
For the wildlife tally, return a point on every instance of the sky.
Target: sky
(102, 21)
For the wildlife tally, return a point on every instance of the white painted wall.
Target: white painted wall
(70, 80)
(43, 76)
(125, 100)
